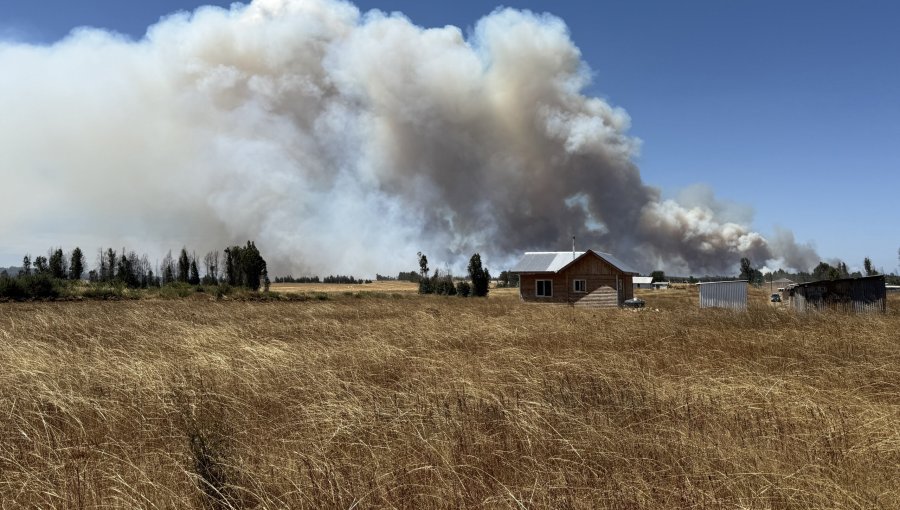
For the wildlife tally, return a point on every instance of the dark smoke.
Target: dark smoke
(340, 142)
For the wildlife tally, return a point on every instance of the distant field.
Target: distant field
(396, 400)
(387, 287)
(403, 287)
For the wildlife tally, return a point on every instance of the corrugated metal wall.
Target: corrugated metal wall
(731, 295)
(857, 295)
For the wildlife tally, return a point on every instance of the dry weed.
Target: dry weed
(431, 402)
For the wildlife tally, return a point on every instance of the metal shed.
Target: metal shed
(730, 294)
(642, 282)
(858, 295)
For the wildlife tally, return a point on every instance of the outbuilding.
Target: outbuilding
(780, 284)
(729, 294)
(642, 282)
(589, 278)
(858, 295)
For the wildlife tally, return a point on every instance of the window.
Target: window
(544, 288)
(580, 285)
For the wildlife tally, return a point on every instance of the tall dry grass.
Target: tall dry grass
(430, 402)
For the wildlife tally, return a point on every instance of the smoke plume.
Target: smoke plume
(340, 142)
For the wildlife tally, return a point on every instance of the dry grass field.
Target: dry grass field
(404, 401)
(331, 288)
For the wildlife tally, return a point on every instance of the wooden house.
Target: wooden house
(587, 278)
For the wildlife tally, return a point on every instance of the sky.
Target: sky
(789, 108)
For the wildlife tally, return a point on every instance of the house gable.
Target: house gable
(598, 279)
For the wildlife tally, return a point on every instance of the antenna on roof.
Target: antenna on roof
(573, 247)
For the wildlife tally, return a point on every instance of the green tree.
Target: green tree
(746, 269)
(825, 271)
(167, 269)
(111, 264)
(194, 278)
(425, 284)
(867, 265)
(40, 265)
(843, 272)
(26, 265)
(76, 264)
(184, 266)
(57, 264)
(231, 276)
(479, 276)
(245, 266)
(658, 276)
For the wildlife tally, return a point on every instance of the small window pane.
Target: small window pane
(544, 288)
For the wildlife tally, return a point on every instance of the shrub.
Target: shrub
(443, 285)
(11, 288)
(34, 286)
(463, 289)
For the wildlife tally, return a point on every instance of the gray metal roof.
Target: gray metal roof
(553, 261)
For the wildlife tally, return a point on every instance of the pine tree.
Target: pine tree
(167, 269)
(76, 264)
(111, 264)
(184, 266)
(479, 276)
(57, 264)
(425, 284)
(194, 278)
(26, 265)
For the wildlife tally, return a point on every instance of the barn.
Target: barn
(866, 294)
(589, 278)
(728, 294)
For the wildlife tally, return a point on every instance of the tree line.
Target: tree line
(236, 266)
(328, 279)
(822, 271)
(402, 276)
(444, 284)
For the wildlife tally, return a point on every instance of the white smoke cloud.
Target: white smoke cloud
(340, 142)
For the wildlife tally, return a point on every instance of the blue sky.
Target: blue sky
(792, 108)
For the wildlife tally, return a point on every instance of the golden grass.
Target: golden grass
(431, 402)
(382, 286)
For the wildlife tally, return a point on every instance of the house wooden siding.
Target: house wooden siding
(595, 271)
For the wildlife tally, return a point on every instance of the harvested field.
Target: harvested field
(428, 402)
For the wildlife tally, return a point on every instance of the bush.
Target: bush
(463, 289)
(35, 286)
(12, 288)
(443, 285)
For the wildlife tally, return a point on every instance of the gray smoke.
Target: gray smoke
(340, 142)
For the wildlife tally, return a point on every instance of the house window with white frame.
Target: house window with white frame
(544, 288)
(579, 285)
